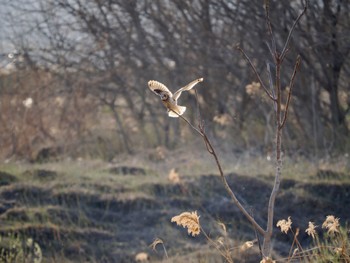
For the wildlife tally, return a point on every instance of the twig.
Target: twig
(290, 255)
(256, 73)
(271, 52)
(268, 22)
(285, 48)
(199, 117)
(188, 122)
(258, 240)
(271, 85)
(295, 242)
(211, 150)
(291, 85)
(227, 257)
(200, 131)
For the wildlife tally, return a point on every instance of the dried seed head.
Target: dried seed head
(311, 230)
(267, 260)
(220, 241)
(174, 176)
(285, 225)
(189, 220)
(332, 224)
(222, 225)
(252, 88)
(155, 243)
(339, 250)
(142, 257)
(247, 245)
(28, 103)
(295, 251)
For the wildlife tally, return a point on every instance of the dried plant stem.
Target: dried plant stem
(165, 252)
(225, 253)
(295, 242)
(159, 241)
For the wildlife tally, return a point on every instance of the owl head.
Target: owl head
(164, 96)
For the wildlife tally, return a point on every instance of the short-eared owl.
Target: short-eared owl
(169, 99)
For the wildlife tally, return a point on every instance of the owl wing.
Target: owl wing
(187, 87)
(158, 88)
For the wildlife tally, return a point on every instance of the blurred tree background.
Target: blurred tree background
(73, 76)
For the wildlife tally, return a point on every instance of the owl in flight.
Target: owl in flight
(169, 99)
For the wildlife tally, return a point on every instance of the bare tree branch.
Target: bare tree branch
(269, 26)
(285, 48)
(271, 84)
(291, 85)
(256, 73)
(211, 150)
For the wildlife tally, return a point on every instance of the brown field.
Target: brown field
(95, 211)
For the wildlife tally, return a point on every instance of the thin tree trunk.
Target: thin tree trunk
(271, 206)
(124, 137)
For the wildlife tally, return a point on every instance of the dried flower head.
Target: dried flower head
(252, 88)
(267, 260)
(285, 225)
(247, 245)
(28, 103)
(332, 224)
(295, 251)
(339, 250)
(174, 176)
(311, 230)
(142, 257)
(189, 220)
(221, 241)
(222, 225)
(223, 119)
(155, 243)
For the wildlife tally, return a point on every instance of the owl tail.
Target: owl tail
(179, 110)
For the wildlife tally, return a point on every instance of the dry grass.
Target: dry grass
(93, 195)
(186, 163)
(334, 246)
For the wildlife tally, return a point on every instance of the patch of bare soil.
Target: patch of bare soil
(113, 225)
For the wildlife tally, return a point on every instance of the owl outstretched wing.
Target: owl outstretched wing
(158, 88)
(187, 87)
